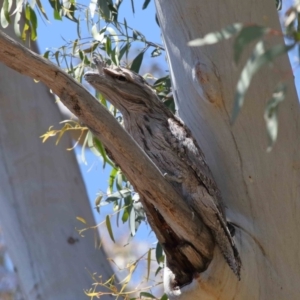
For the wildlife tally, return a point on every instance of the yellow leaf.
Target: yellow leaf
(81, 220)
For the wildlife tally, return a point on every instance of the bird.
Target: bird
(170, 145)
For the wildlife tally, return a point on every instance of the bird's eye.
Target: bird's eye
(121, 78)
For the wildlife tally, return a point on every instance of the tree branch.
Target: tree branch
(139, 169)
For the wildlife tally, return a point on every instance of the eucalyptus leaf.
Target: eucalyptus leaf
(120, 194)
(247, 35)
(159, 253)
(137, 62)
(271, 113)
(132, 6)
(93, 7)
(41, 9)
(98, 201)
(17, 23)
(147, 295)
(217, 36)
(109, 228)
(119, 181)
(4, 15)
(104, 10)
(125, 215)
(34, 23)
(146, 3)
(132, 222)
(259, 58)
(96, 35)
(148, 264)
(111, 180)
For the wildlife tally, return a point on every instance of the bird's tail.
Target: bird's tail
(227, 246)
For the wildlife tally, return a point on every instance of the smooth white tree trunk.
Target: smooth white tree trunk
(41, 194)
(260, 189)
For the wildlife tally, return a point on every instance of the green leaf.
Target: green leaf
(217, 36)
(140, 35)
(164, 297)
(81, 55)
(127, 197)
(258, 58)
(159, 254)
(67, 4)
(156, 52)
(170, 104)
(146, 4)
(126, 28)
(119, 181)
(132, 6)
(247, 35)
(156, 20)
(118, 195)
(33, 22)
(146, 295)
(100, 148)
(25, 29)
(148, 264)
(56, 54)
(158, 270)
(46, 54)
(4, 15)
(78, 29)
(90, 136)
(102, 100)
(56, 15)
(92, 48)
(114, 36)
(124, 50)
(41, 9)
(96, 35)
(114, 56)
(137, 62)
(111, 180)
(93, 7)
(278, 4)
(125, 216)
(69, 12)
(118, 213)
(17, 23)
(78, 73)
(97, 201)
(109, 229)
(19, 6)
(132, 222)
(83, 149)
(56, 5)
(104, 10)
(108, 45)
(74, 46)
(165, 79)
(134, 35)
(271, 113)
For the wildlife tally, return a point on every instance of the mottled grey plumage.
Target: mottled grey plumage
(170, 145)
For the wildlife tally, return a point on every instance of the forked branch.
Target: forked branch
(128, 155)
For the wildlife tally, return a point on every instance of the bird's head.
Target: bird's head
(126, 90)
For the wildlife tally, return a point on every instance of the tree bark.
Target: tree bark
(41, 194)
(137, 166)
(260, 189)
